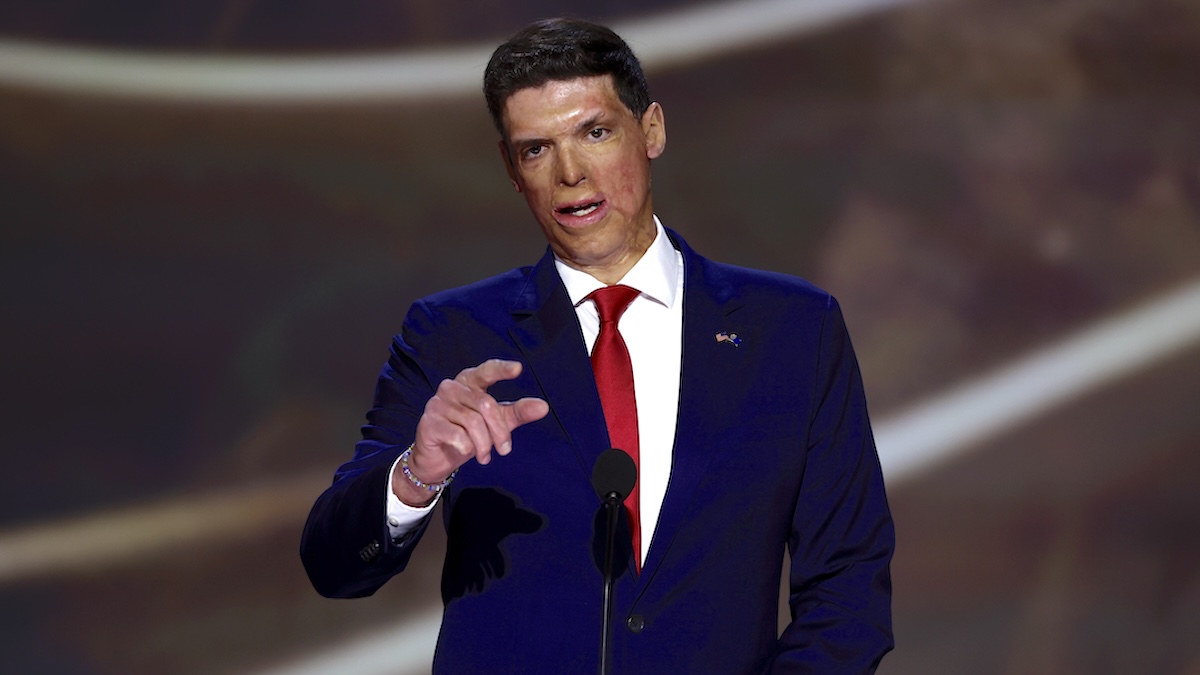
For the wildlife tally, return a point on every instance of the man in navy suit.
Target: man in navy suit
(751, 421)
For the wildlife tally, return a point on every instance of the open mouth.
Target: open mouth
(579, 210)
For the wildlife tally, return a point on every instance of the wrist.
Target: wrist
(428, 488)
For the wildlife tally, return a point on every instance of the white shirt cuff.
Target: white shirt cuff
(402, 518)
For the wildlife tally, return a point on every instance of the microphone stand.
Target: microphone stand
(613, 477)
(612, 508)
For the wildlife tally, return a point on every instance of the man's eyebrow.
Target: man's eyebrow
(521, 142)
(590, 122)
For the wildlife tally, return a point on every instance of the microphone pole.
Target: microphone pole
(612, 506)
(613, 478)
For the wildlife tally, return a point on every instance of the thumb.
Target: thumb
(524, 411)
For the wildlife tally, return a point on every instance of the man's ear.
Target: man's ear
(654, 128)
(508, 164)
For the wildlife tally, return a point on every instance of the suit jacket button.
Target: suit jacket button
(635, 623)
(370, 552)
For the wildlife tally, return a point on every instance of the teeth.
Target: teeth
(582, 210)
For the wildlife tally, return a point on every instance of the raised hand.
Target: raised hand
(462, 421)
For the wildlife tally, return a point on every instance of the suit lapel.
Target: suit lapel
(706, 364)
(546, 331)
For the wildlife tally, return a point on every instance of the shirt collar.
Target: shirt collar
(655, 275)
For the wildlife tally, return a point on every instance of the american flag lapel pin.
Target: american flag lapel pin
(731, 338)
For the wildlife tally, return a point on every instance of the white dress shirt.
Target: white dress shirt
(652, 327)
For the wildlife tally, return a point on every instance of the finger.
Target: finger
(502, 418)
(469, 413)
(488, 373)
(523, 411)
(493, 416)
(491, 423)
(478, 413)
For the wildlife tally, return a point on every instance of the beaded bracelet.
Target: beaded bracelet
(435, 487)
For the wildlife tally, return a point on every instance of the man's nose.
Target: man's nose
(571, 167)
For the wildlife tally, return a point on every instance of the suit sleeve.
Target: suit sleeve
(842, 537)
(346, 547)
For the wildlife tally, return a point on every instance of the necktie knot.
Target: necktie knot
(611, 301)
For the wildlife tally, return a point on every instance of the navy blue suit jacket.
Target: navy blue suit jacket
(773, 447)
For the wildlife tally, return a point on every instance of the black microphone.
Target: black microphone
(613, 479)
(614, 475)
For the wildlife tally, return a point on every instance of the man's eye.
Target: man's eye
(533, 151)
(598, 133)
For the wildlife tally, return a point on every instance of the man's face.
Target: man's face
(582, 159)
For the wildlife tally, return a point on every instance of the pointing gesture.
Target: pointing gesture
(462, 421)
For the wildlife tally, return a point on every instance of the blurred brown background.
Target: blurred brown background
(197, 293)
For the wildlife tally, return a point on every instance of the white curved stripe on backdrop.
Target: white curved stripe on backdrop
(671, 38)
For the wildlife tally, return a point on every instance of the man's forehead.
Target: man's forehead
(585, 82)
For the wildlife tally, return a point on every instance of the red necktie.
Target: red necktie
(614, 379)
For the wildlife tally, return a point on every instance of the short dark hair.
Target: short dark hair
(562, 49)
